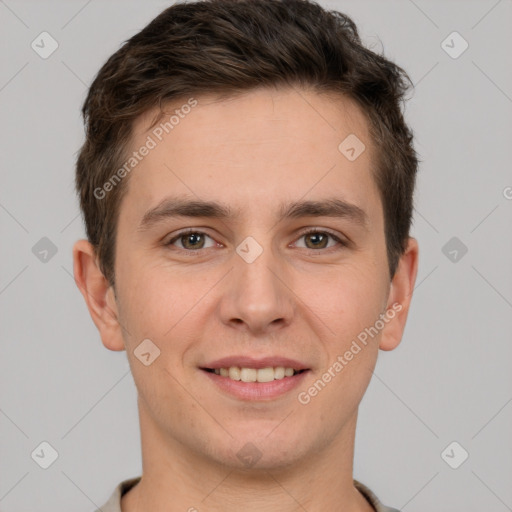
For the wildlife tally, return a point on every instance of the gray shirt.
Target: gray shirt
(114, 502)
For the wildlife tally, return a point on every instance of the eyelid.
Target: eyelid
(308, 230)
(343, 241)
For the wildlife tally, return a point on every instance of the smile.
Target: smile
(255, 374)
(255, 379)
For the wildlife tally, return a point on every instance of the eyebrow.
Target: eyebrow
(172, 207)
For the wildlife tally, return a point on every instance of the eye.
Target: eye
(317, 239)
(194, 240)
(191, 240)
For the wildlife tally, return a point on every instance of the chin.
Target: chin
(251, 451)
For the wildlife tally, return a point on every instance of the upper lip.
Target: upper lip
(251, 362)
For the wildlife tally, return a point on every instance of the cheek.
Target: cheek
(332, 397)
(347, 300)
(153, 298)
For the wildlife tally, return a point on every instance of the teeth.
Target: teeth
(234, 373)
(265, 375)
(255, 375)
(279, 372)
(248, 374)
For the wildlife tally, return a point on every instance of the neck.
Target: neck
(175, 476)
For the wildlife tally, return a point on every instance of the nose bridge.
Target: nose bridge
(257, 296)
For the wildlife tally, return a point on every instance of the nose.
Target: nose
(258, 296)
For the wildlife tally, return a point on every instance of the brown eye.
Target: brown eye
(191, 240)
(316, 239)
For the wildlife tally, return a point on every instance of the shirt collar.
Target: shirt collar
(114, 502)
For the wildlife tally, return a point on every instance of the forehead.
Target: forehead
(252, 147)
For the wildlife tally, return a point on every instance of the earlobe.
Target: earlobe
(98, 294)
(400, 295)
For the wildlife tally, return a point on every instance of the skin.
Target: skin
(251, 152)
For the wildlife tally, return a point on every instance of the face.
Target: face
(283, 269)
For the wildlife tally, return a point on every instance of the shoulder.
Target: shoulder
(372, 499)
(114, 502)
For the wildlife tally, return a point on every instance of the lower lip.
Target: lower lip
(256, 390)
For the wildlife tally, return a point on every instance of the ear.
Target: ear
(98, 294)
(400, 295)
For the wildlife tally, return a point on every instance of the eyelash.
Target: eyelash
(189, 231)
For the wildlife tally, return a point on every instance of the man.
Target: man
(246, 183)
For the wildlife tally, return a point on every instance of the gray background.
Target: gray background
(449, 380)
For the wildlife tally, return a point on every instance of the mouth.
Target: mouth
(245, 374)
(255, 379)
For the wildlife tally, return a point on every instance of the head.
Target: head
(242, 109)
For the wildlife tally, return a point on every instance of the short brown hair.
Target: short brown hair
(232, 46)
